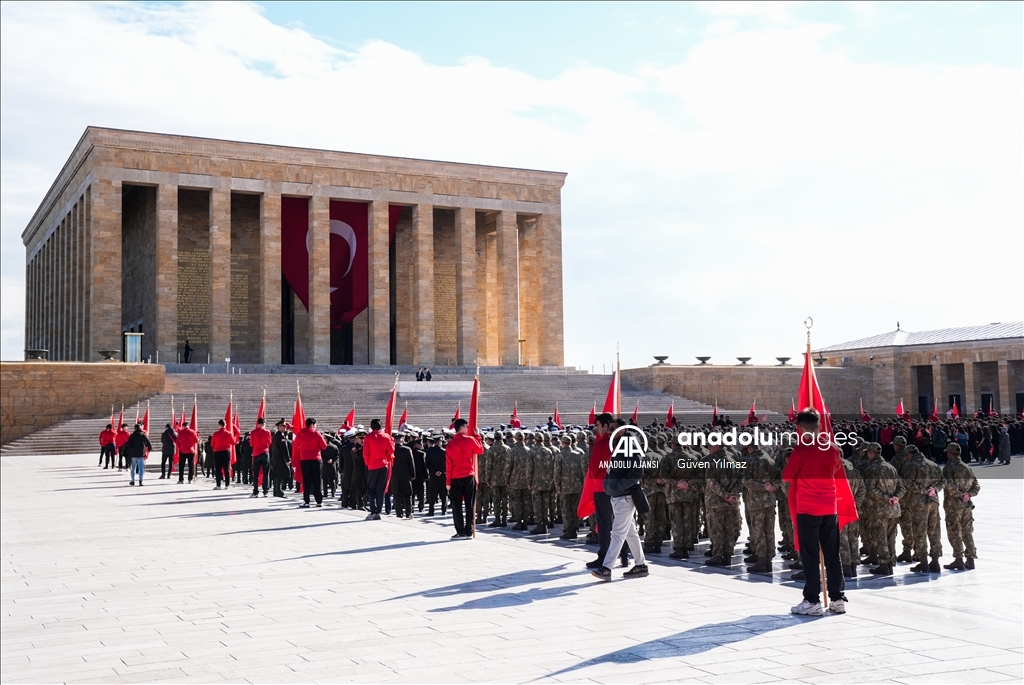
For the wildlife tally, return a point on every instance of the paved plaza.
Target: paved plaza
(103, 582)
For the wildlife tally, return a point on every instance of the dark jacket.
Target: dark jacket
(136, 445)
(280, 453)
(623, 474)
(435, 460)
(167, 440)
(403, 470)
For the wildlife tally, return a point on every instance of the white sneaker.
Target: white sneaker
(837, 606)
(217, 487)
(806, 608)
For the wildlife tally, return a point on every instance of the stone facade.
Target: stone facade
(34, 395)
(182, 236)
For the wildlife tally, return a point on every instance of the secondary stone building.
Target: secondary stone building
(270, 254)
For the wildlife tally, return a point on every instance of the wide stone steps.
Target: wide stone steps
(330, 396)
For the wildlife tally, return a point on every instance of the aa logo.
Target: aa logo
(630, 442)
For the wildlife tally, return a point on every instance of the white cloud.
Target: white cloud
(696, 191)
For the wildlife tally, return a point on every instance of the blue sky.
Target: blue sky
(732, 167)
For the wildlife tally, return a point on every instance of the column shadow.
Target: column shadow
(502, 582)
(689, 642)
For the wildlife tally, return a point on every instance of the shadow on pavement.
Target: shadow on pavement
(690, 642)
(502, 582)
(277, 530)
(515, 599)
(365, 550)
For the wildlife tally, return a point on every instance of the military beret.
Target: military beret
(953, 447)
(874, 447)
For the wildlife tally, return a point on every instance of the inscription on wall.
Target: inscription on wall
(194, 296)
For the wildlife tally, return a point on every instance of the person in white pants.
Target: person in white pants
(624, 530)
(623, 476)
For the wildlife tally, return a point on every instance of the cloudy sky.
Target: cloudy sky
(733, 168)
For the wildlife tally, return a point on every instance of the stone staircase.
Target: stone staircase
(329, 394)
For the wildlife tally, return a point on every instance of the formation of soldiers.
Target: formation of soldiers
(531, 481)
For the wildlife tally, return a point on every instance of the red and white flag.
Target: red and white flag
(636, 413)
(404, 418)
(792, 411)
(611, 400)
(350, 420)
(514, 422)
(458, 415)
(592, 419)
(956, 410)
(670, 420)
(864, 416)
(751, 416)
(557, 418)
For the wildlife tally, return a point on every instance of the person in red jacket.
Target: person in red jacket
(221, 443)
(820, 496)
(119, 440)
(378, 452)
(260, 439)
(308, 445)
(460, 477)
(187, 442)
(107, 446)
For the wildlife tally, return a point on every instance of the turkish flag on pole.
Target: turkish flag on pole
(145, 426)
(934, 416)
(636, 412)
(670, 420)
(261, 413)
(404, 417)
(714, 414)
(474, 399)
(557, 418)
(611, 400)
(298, 423)
(514, 422)
(956, 410)
(864, 416)
(458, 415)
(120, 419)
(115, 426)
(751, 416)
(899, 409)
(592, 419)
(792, 412)
(389, 413)
(177, 428)
(194, 424)
(350, 419)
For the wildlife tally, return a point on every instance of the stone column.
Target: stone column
(939, 387)
(73, 285)
(423, 349)
(105, 269)
(466, 295)
(165, 302)
(220, 275)
(1002, 394)
(508, 288)
(970, 398)
(320, 280)
(379, 307)
(550, 324)
(270, 278)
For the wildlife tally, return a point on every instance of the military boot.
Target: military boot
(882, 570)
(871, 559)
(760, 569)
(796, 566)
(848, 572)
(920, 568)
(719, 561)
(969, 564)
(519, 526)
(933, 566)
(956, 565)
(679, 554)
(494, 524)
(905, 557)
(752, 559)
(539, 529)
(799, 575)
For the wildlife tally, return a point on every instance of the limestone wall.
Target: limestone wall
(771, 387)
(34, 395)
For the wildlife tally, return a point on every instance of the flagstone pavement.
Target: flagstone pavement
(102, 582)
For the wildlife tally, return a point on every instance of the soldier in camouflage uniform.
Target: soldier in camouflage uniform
(483, 493)
(961, 487)
(883, 490)
(785, 518)
(554, 504)
(722, 489)
(761, 481)
(570, 470)
(517, 476)
(541, 470)
(924, 481)
(680, 495)
(899, 458)
(849, 536)
(654, 487)
(497, 462)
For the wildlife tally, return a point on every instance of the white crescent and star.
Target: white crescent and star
(346, 233)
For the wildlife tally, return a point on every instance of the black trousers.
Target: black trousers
(280, 476)
(820, 533)
(311, 475)
(435, 489)
(463, 491)
(222, 466)
(603, 513)
(109, 451)
(166, 462)
(418, 488)
(403, 504)
(184, 459)
(376, 481)
(261, 463)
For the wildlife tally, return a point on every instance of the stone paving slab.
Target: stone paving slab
(102, 582)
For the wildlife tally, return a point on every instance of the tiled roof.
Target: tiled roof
(991, 331)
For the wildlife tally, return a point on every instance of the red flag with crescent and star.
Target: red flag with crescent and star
(349, 261)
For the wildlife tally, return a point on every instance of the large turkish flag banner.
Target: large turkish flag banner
(349, 253)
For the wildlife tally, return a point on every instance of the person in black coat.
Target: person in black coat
(135, 449)
(436, 464)
(358, 472)
(280, 458)
(167, 439)
(329, 473)
(403, 471)
(345, 474)
(419, 483)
